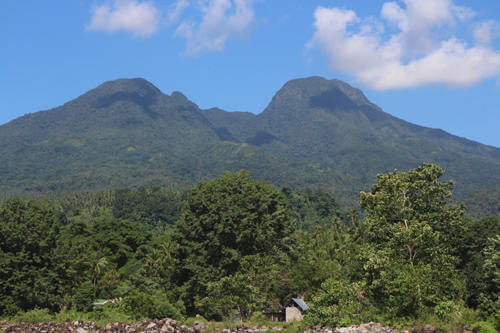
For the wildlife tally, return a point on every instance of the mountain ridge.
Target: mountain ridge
(314, 132)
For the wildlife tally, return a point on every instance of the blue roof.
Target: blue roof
(300, 303)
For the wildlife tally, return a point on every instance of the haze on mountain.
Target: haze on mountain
(314, 133)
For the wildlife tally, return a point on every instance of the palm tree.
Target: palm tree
(353, 216)
(160, 260)
(336, 222)
(359, 230)
(154, 262)
(96, 265)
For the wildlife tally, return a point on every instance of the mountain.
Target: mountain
(128, 133)
(314, 133)
(483, 203)
(328, 122)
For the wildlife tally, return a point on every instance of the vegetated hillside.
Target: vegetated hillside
(114, 135)
(315, 133)
(127, 133)
(330, 123)
(483, 204)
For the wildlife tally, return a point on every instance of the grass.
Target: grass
(449, 322)
(446, 321)
(102, 316)
(257, 319)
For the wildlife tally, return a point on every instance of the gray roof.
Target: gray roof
(300, 303)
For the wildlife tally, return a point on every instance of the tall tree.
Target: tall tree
(408, 266)
(28, 235)
(224, 220)
(489, 290)
(97, 264)
(156, 208)
(258, 281)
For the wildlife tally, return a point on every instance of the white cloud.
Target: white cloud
(178, 8)
(139, 18)
(221, 19)
(485, 31)
(423, 50)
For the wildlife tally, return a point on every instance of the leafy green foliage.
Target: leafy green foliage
(29, 233)
(141, 305)
(476, 281)
(91, 254)
(486, 327)
(110, 282)
(326, 253)
(446, 309)
(156, 208)
(231, 293)
(85, 296)
(225, 220)
(483, 203)
(237, 248)
(35, 315)
(308, 276)
(489, 298)
(471, 242)
(407, 265)
(312, 208)
(337, 304)
(258, 281)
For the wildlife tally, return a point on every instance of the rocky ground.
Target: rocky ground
(172, 326)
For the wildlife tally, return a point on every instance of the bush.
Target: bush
(258, 319)
(485, 327)
(72, 315)
(35, 315)
(445, 310)
(336, 304)
(142, 305)
(109, 313)
(11, 310)
(189, 321)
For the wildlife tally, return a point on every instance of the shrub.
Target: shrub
(11, 310)
(445, 310)
(108, 313)
(35, 315)
(485, 327)
(336, 304)
(142, 305)
(258, 319)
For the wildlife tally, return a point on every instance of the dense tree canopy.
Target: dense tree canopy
(157, 208)
(489, 295)
(311, 208)
(408, 265)
(29, 233)
(224, 220)
(239, 246)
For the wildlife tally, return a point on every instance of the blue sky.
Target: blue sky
(434, 63)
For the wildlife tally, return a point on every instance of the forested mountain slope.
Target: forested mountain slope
(483, 204)
(315, 133)
(127, 133)
(330, 123)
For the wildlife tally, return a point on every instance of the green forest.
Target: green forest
(234, 248)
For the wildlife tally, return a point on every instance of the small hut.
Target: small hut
(295, 310)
